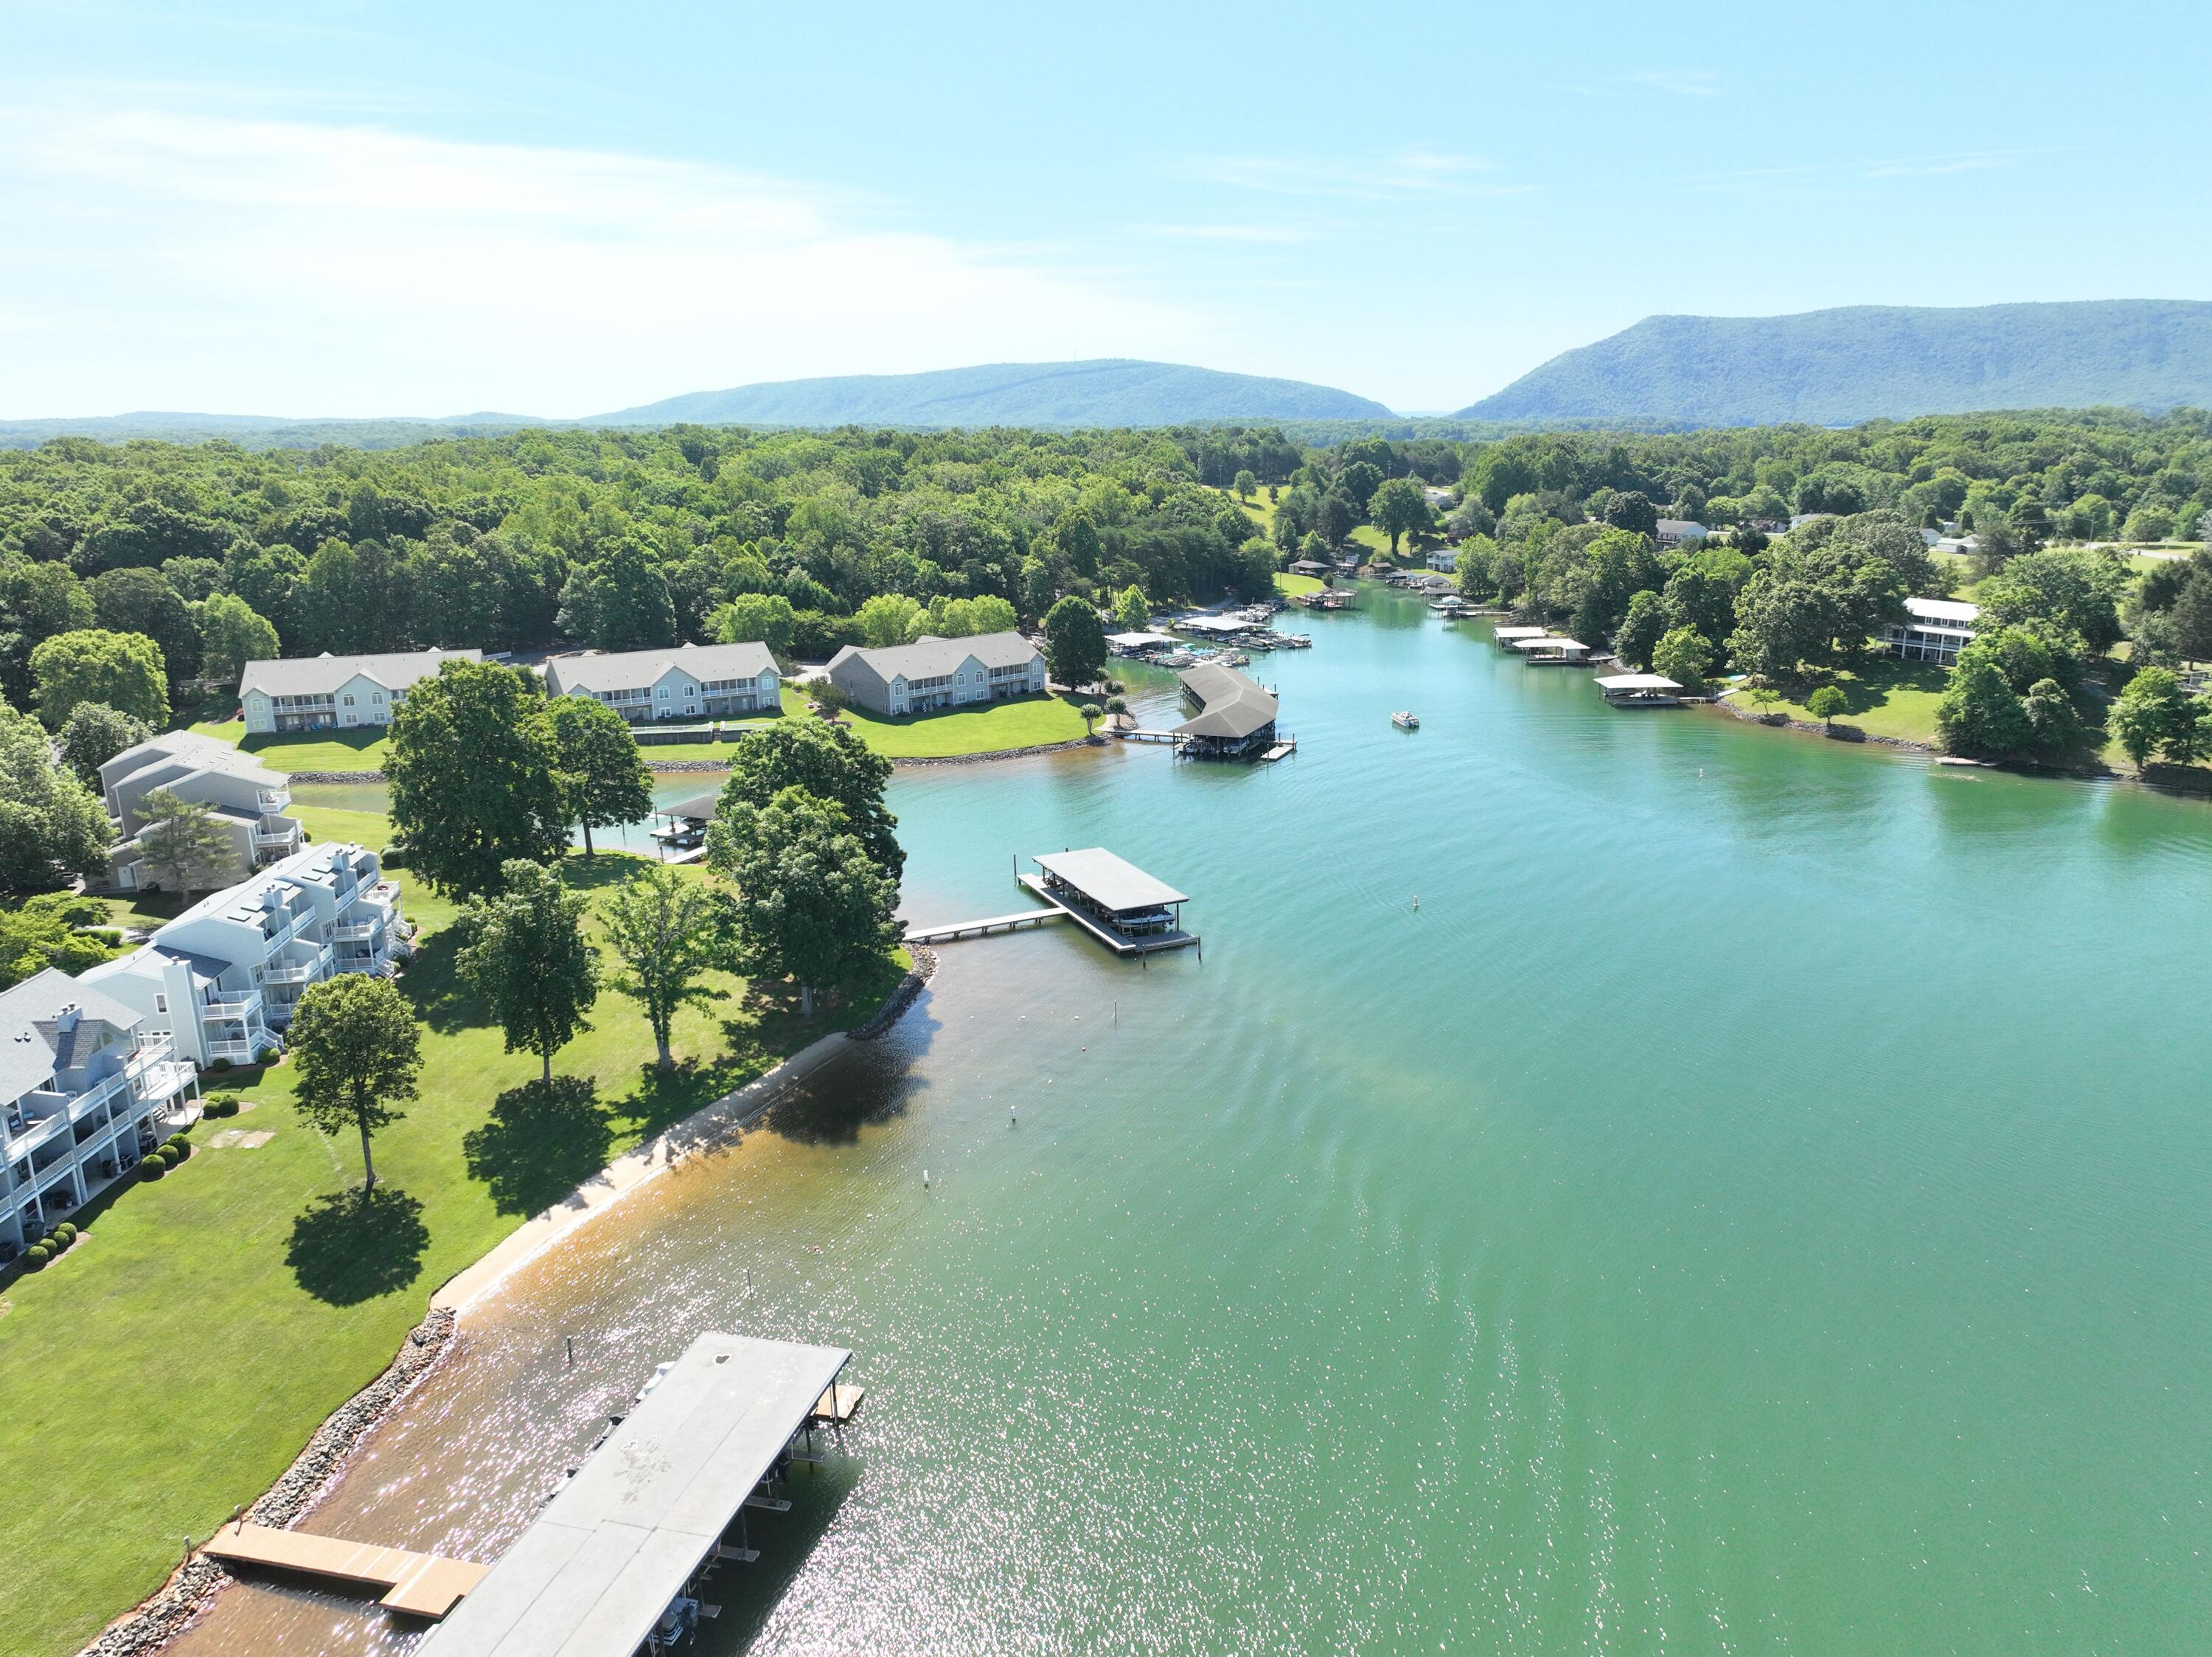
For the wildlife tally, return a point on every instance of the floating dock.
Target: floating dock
(414, 1584)
(614, 1563)
(1112, 899)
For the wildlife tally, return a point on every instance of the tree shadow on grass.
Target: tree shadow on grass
(434, 984)
(353, 1245)
(541, 1141)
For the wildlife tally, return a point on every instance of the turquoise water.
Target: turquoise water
(1755, 1203)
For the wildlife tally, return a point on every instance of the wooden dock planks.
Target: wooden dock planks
(418, 1584)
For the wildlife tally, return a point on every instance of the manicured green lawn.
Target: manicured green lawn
(1029, 723)
(1287, 583)
(1887, 698)
(173, 1362)
(307, 751)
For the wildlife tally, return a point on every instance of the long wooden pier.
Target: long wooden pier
(984, 927)
(414, 1584)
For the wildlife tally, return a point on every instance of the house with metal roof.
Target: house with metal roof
(328, 692)
(246, 799)
(1235, 716)
(1934, 629)
(223, 978)
(688, 681)
(84, 1094)
(931, 673)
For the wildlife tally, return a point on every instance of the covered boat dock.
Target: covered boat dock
(1550, 650)
(615, 1564)
(1114, 900)
(1640, 690)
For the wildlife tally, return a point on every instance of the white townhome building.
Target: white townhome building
(85, 1091)
(328, 692)
(222, 979)
(690, 681)
(938, 673)
(1934, 629)
(246, 798)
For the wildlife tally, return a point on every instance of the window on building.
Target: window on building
(162, 1005)
(348, 701)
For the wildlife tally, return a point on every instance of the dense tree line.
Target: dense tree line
(616, 540)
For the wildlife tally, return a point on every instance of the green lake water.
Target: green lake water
(1757, 1202)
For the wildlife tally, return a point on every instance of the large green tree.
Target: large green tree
(814, 906)
(184, 845)
(666, 932)
(1641, 629)
(605, 780)
(827, 761)
(355, 1053)
(123, 670)
(1398, 508)
(527, 956)
(95, 733)
(231, 635)
(143, 601)
(37, 600)
(2079, 592)
(620, 601)
(52, 826)
(1074, 642)
(65, 930)
(2155, 718)
(754, 618)
(1981, 714)
(474, 774)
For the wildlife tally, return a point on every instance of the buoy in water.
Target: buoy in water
(925, 1179)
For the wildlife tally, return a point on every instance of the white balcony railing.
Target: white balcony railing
(315, 966)
(230, 1006)
(235, 1051)
(116, 1086)
(375, 962)
(273, 801)
(356, 932)
(270, 838)
(36, 1134)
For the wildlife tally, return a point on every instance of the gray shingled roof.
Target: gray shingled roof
(194, 751)
(32, 1047)
(932, 657)
(623, 670)
(395, 670)
(1233, 705)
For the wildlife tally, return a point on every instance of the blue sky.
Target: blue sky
(353, 208)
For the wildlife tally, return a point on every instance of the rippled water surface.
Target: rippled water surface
(1756, 1202)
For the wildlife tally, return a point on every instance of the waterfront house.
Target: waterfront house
(932, 673)
(691, 681)
(222, 979)
(1235, 717)
(1934, 630)
(85, 1091)
(1677, 532)
(1445, 558)
(1313, 567)
(245, 798)
(328, 692)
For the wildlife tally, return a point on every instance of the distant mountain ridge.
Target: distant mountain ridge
(1875, 362)
(1105, 391)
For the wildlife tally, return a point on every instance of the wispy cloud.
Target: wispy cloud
(1928, 166)
(1681, 83)
(160, 258)
(1417, 171)
(1258, 234)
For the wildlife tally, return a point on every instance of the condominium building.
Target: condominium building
(328, 692)
(223, 978)
(246, 799)
(938, 673)
(692, 681)
(85, 1089)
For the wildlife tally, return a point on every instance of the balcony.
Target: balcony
(236, 1051)
(276, 839)
(356, 931)
(317, 966)
(284, 934)
(230, 1005)
(272, 801)
(376, 961)
(32, 1135)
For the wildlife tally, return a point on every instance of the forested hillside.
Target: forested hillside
(1110, 391)
(1876, 362)
(615, 540)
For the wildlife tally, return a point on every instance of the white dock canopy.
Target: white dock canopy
(592, 1574)
(1624, 684)
(1566, 647)
(1510, 635)
(1110, 882)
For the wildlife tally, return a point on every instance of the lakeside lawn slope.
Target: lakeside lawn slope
(173, 1362)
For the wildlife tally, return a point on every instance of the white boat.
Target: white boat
(1405, 721)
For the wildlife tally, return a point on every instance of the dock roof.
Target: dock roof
(1548, 643)
(1507, 635)
(598, 1566)
(1636, 682)
(1109, 881)
(1232, 704)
